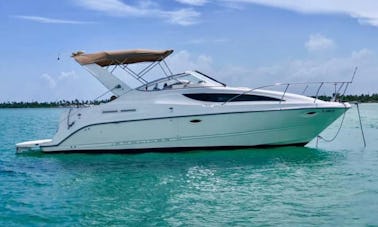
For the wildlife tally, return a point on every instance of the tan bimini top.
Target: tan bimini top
(118, 57)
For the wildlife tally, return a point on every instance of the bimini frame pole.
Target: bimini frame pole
(166, 65)
(139, 75)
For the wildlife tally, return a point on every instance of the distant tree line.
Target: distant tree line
(77, 103)
(61, 103)
(353, 98)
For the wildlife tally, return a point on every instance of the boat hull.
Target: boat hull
(207, 131)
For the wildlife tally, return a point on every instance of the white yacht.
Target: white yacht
(184, 111)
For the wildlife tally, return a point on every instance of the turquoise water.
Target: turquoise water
(334, 184)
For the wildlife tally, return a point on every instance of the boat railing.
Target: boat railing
(340, 88)
(336, 96)
(69, 124)
(72, 114)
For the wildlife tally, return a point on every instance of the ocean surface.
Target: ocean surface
(330, 184)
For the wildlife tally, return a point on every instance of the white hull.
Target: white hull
(280, 127)
(184, 111)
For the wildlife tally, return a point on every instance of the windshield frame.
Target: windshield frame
(189, 79)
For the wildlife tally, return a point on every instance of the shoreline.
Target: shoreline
(33, 105)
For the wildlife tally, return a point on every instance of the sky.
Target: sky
(247, 43)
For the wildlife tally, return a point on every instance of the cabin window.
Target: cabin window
(224, 97)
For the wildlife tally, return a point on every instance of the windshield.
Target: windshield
(183, 80)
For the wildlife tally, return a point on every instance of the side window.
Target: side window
(224, 97)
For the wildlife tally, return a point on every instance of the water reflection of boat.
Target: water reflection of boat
(183, 111)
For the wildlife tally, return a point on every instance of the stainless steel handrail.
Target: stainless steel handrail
(69, 125)
(287, 85)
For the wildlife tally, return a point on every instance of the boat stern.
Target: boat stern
(31, 146)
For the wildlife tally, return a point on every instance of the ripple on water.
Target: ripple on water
(293, 186)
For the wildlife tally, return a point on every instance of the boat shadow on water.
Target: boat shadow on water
(255, 157)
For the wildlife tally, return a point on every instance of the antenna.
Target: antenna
(354, 73)
(347, 83)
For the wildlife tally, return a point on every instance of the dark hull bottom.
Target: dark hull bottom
(173, 149)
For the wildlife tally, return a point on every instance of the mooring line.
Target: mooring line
(359, 118)
(338, 131)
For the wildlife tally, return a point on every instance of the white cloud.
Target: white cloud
(183, 60)
(186, 16)
(193, 2)
(366, 11)
(53, 82)
(69, 86)
(46, 20)
(207, 41)
(196, 41)
(67, 75)
(182, 16)
(293, 71)
(327, 69)
(114, 7)
(318, 42)
(50, 80)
